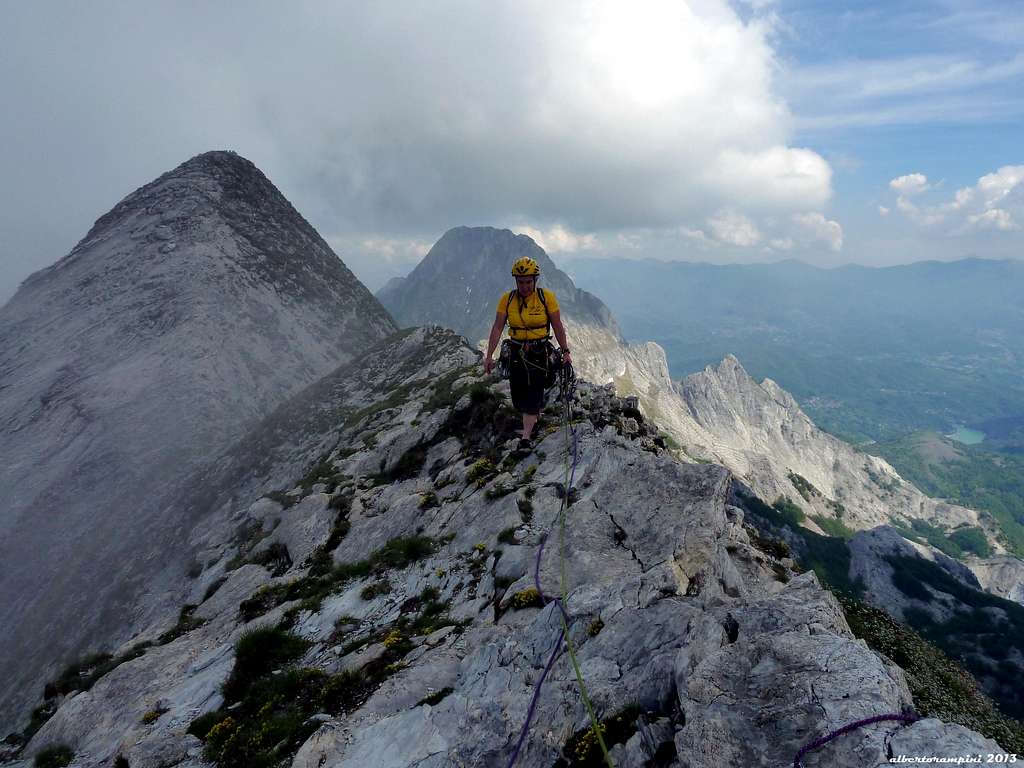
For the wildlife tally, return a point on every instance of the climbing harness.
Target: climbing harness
(820, 742)
(519, 350)
(566, 380)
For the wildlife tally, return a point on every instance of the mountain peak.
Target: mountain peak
(197, 303)
(458, 282)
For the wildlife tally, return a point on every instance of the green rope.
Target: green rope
(595, 726)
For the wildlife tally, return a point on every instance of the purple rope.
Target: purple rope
(546, 600)
(536, 695)
(820, 742)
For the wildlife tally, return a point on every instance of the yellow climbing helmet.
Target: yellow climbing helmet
(525, 267)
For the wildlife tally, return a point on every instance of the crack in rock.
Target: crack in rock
(620, 538)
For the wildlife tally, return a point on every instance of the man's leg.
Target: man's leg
(529, 420)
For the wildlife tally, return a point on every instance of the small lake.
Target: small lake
(967, 436)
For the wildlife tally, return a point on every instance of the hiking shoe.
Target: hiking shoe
(524, 444)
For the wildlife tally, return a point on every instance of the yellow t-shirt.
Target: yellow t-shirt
(532, 322)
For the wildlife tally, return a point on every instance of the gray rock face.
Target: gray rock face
(126, 366)
(671, 609)
(762, 435)
(1003, 576)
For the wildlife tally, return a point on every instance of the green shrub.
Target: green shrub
(326, 578)
(202, 724)
(370, 591)
(186, 623)
(274, 558)
(153, 715)
(402, 551)
(527, 598)
(55, 757)
(803, 486)
(940, 687)
(507, 536)
(525, 509)
(257, 653)
(789, 511)
(343, 689)
(481, 471)
(436, 697)
(341, 502)
(833, 527)
(971, 540)
(583, 749)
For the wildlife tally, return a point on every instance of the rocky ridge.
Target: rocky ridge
(403, 560)
(760, 432)
(720, 414)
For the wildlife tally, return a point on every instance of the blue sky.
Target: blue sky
(884, 90)
(711, 130)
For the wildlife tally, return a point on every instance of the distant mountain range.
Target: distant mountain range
(869, 352)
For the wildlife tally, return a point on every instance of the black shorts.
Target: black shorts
(527, 371)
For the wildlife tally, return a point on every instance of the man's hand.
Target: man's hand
(488, 364)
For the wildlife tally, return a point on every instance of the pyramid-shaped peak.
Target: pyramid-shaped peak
(222, 165)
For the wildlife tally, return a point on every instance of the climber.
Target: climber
(532, 313)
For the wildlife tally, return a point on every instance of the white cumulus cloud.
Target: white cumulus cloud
(816, 228)
(994, 203)
(911, 184)
(993, 218)
(559, 239)
(733, 228)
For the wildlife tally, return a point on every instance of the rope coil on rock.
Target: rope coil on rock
(823, 740)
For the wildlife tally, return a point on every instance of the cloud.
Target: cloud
(816, 228)
(962, 87)
(883, 211)
(911, 184)
(995, 202)
(995, 187)
(774, 177)
(733, 228)
(405, 120)
(993, 218)
(559, 239)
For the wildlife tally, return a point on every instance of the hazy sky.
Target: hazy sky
(870, 132)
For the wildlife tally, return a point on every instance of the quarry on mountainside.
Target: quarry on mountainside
(379, 607)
